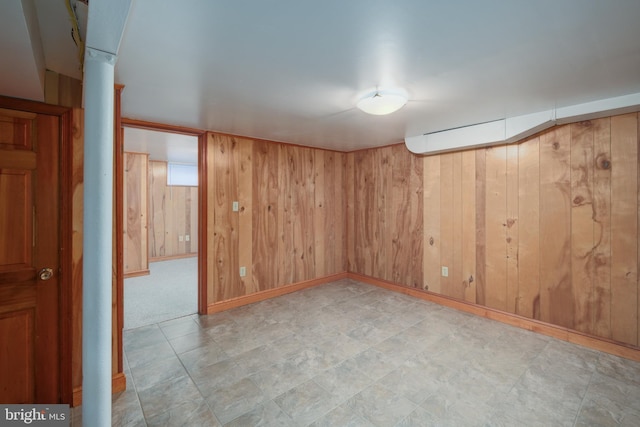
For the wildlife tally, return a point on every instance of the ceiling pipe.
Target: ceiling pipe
(513, 129)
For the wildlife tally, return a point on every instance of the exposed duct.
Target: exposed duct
(513, 129)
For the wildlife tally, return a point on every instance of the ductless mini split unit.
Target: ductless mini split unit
(513, 129)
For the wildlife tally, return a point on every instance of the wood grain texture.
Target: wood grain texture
(446, 221)
(556, 288)
(624, 228)
(77, 212)
(468, 194)
(512, 227)
(431, 211)
(290, 224)
(349, 183)
(416, 226)
(528, 298)
(388, 214)
(541, 219)
(173, 216)
(496, 228)
(458, 280)
(582, 224)
(601, 264)
(135, 213)
(245, 214)
(481, 233)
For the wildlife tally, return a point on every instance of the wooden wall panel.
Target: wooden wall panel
(431, 245)
(245, 215)
(446, 222)
(512, 227)
(528, 299)
(496, 228)
(624, 228)
(416, 231)
(388, 214)
(173, 216)
(602, 229)
(468, 194)
(582, 224)
(547, 228)
(290, 224)
(135, 214)
(349, 184)
(400, 216)
(556, 294)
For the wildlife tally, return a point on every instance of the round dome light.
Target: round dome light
(382, 101)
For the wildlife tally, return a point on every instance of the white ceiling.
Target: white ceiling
(291, 71)
(162, 146)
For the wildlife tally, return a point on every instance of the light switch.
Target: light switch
(235, 206)
(243, 271)
(445, 271)
(186, 238)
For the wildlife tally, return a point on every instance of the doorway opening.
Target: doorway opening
(160, 232)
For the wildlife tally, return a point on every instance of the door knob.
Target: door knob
(46, 273)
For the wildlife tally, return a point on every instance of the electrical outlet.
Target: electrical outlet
(236, 206)
(187, 238)
(243, 271)
(180, 238)
(445, 271)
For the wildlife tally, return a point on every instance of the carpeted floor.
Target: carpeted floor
(169, 292)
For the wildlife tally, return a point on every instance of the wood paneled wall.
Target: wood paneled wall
(135, 213)
(385, 214)
(173, 216)
(290, 223)
(546, 229)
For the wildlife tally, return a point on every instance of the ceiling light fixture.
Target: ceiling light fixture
(382, 101)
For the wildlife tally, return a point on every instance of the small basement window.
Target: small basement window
(182, 174)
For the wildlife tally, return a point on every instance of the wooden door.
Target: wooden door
(29, 243)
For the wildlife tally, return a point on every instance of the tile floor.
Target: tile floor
(350, 354)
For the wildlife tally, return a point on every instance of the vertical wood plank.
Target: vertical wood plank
(293, 227)
(496, 225)
(431, 254)
(135, 249)
(513, 227)
(446, 221)
(400, 197)
(308, 214)
(416, 227)
(602, 228)
(323, 225)
(481, 234)
(223, 225)
(469, 225)
(212, 237)
(245, 214)
(340, 183)
(457, 281)
(280, 193)
(384, 255)
(350, 182)
(528, 300)
(556, 295)
(624, 228)
(582, 224)
(193, 223)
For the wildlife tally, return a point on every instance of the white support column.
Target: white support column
(97, 242)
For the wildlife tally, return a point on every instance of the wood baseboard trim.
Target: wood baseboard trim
(137, 274)
(118, 384)
(170, 257)
(602, 344)
(217, 307)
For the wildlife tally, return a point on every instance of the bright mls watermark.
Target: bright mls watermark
(37, 415)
